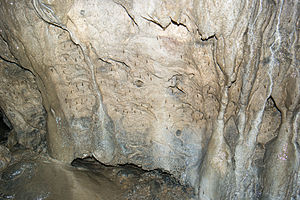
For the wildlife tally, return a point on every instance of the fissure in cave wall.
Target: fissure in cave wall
(207, 90)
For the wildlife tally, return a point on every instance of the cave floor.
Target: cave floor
(31, 176)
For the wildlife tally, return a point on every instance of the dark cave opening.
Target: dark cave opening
(138, 183)
(5, 128)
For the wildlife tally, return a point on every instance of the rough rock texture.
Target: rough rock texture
(207, 90)
(5, 157)
(22, 103)
(35, 177)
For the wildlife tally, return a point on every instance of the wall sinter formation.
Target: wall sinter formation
(207, 90)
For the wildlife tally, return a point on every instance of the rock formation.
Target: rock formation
(206, 90)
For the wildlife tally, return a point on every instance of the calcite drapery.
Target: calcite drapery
(197, 88)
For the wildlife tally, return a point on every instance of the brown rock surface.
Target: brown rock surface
(206, 90)
(5, 157)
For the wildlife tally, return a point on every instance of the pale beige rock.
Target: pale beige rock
(202, 89)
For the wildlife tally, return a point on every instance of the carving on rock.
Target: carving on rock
(87, 98)
(206, 90)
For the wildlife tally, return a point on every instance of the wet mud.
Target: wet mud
(36, 177)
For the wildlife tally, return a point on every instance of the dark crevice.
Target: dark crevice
(179, 24)
(105, 61)
(5, 128)
(231, 83)
(157, 23)
(139, 183)
(13, 62)
(210, 37)
(91, 163)
(121, 62)
(177, 88)
(176, 80)
(9, 61)
(150, 19)
(272, 104)
(129, 15)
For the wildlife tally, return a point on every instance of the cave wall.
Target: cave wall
(21, 102)
(207, 90)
